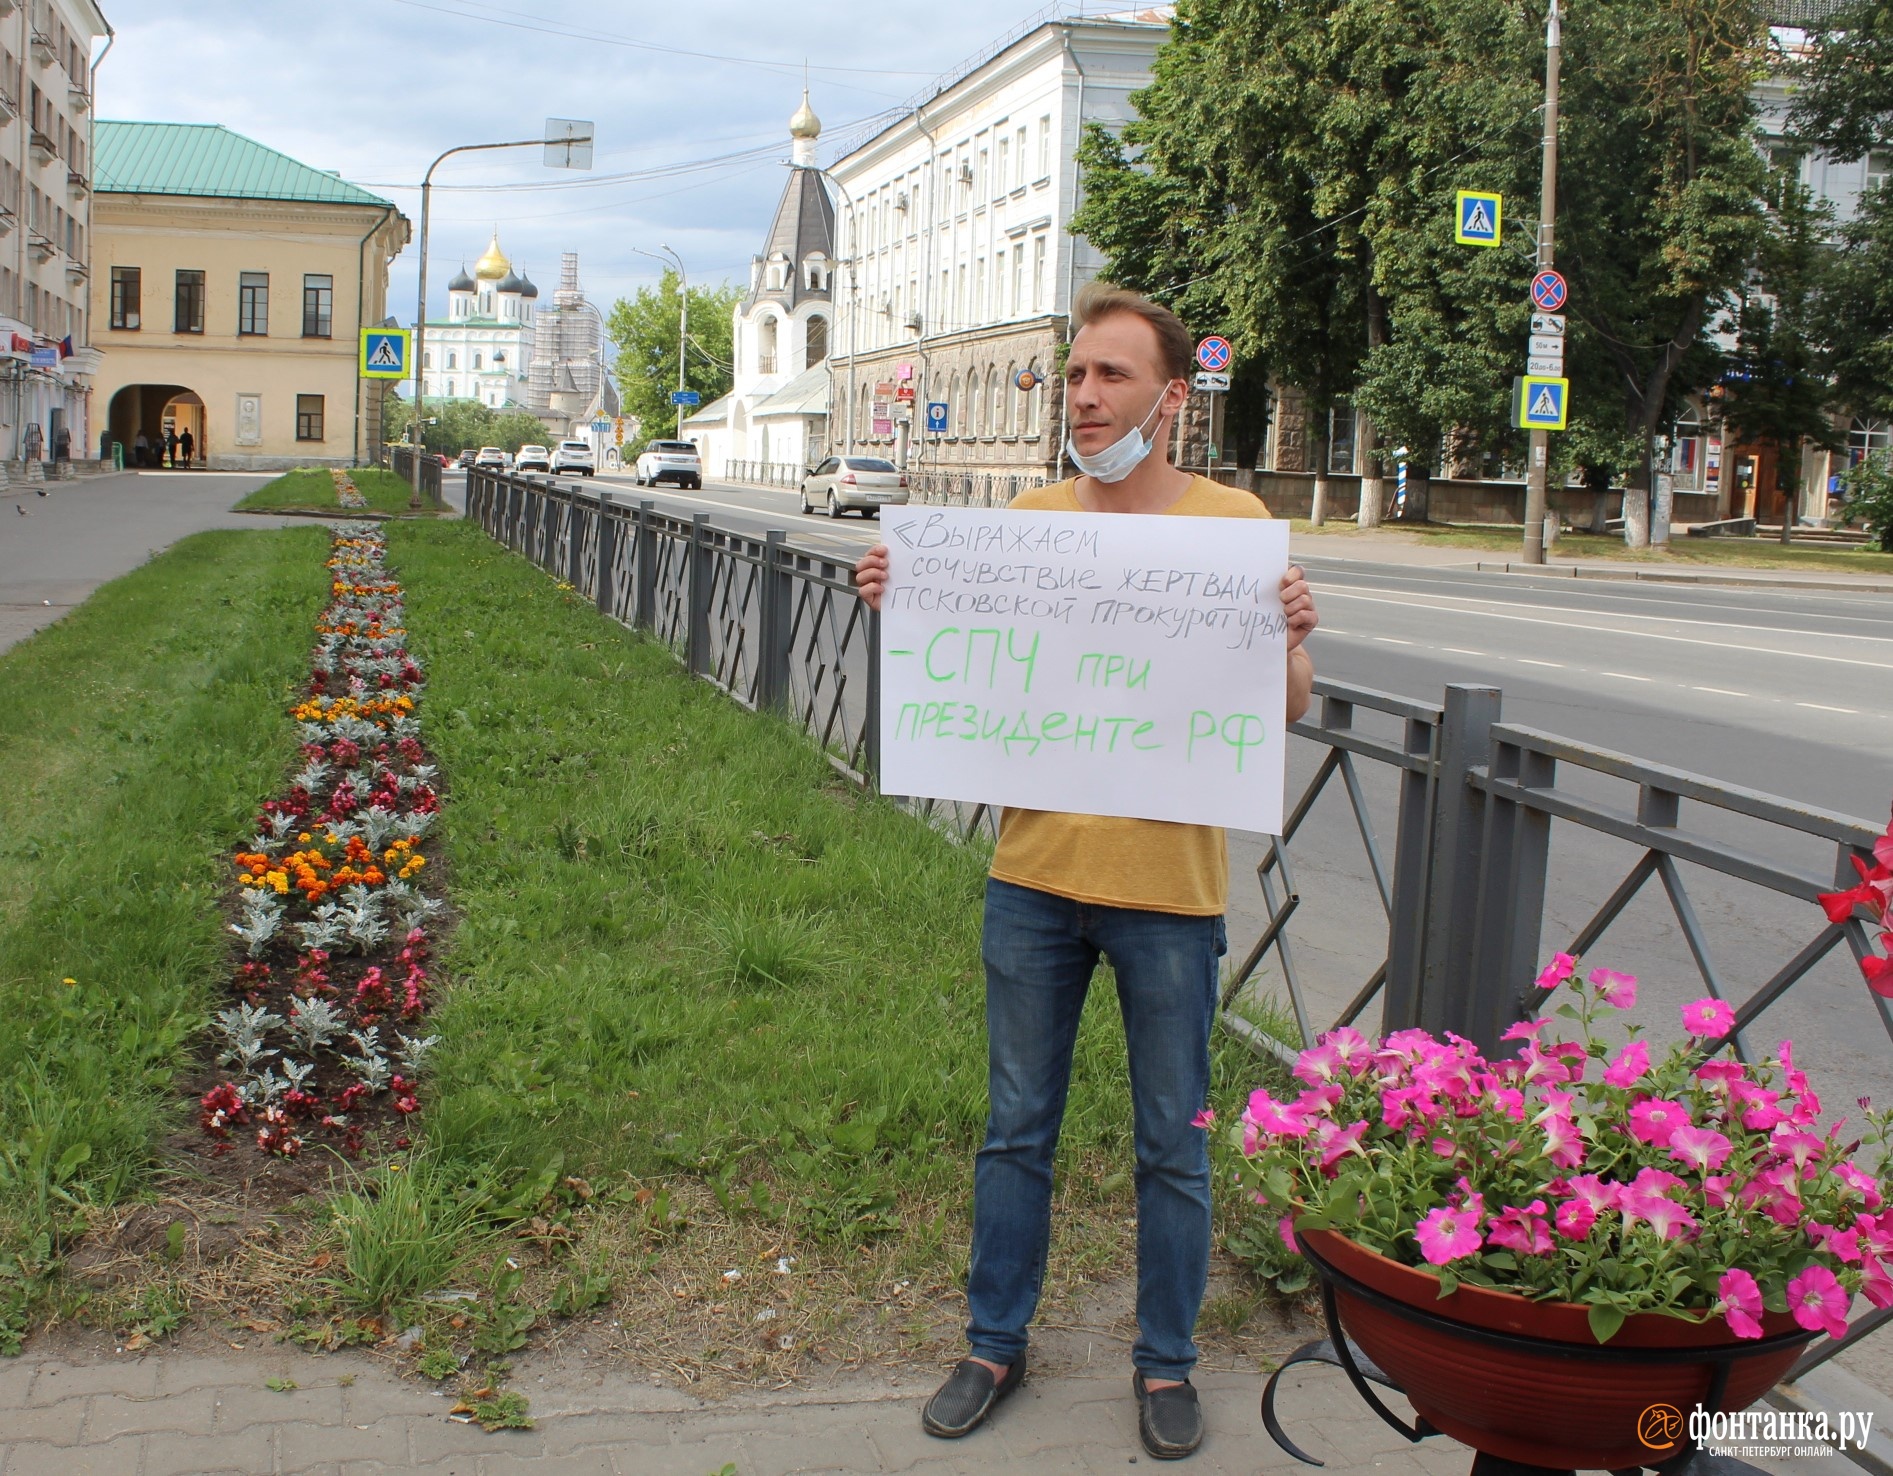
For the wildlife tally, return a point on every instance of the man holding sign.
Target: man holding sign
(1135, 672)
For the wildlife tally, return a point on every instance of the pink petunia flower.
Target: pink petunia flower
(1628, 1066)
(1741, 1302)
(1708, 1017)
(1564, 1143)
(1843, 1245)
(1665, 1216)
(1561, 967)
(1447, 1234)
(1525, 1030)
(1790, 1143)
(1701, 1148)
(1759, 1106)
(1595, 1192)
(1285, 1227)
(1522, 1230)
(1863, 1184)
(1275, 1118)
(1204, 1119)
(1336, 1143)
(1575, 1218)
(1619, 991)
(1819, 1301)
(1875, 1285)
(1318, 1063)
(1657, 1119)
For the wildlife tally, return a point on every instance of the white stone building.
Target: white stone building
(47, 361)
(482, 350)
(774, 421)
(962, 267)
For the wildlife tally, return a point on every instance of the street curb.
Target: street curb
(1827, 1389)
(1686, 576)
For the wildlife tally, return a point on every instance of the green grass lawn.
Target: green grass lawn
(1740, 553)
(312, 489)
(138, 735)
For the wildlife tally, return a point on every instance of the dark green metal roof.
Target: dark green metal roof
(208, 159)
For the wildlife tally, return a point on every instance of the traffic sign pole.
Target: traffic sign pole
(1538, 472)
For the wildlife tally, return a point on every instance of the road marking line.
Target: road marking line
(1393, 640)
(1719, 691)
(1461, 651)
(1528, 661)
(1623, 676)
(1648, 635)
(1823, 707)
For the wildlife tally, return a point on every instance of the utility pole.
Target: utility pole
(1538, 474)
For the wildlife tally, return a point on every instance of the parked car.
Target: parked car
(466, 458)
(532, 458)
(573, 456)
(492, 458)
(670, 461)
(446, 460)
(863, 483)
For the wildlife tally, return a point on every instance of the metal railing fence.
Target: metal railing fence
(401, 463)
(1463, 888)
(766, 473)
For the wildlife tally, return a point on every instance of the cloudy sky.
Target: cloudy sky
(375, 89)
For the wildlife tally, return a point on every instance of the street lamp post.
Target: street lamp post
(1538, 473)
(683, 319)
(574, 138)
(851, 261)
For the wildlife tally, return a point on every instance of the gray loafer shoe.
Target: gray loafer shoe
(961, 1404)
(1169, 1420)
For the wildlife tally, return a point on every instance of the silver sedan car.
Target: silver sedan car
(861, 483)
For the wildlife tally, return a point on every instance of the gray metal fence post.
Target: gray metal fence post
(646, 535)
(777, 612)
(1452, 873)
(575, 543)
(1406, 951)
(697, 641)
(1510, 916)
(871, 724)
(604, 551)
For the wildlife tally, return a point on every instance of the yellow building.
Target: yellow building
(229, 287)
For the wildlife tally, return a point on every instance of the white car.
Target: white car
(670, 461)
(860, 482)
(492, 458)
(532, 458)
(573, 456)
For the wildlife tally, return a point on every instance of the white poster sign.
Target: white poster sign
(1101, 664)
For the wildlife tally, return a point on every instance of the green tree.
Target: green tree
(459, 424)
(1843, 97)
(1858, 309)
(644, 330)
(1777, 387)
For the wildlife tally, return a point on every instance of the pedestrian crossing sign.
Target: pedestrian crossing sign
(384, 353)
(1476, 217)
(1540, 403)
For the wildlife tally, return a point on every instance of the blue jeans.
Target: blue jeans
(1040, 951)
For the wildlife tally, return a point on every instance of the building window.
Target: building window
(308, 417)
(1033, 400)
(476, 360)
(1868, 438)
(125, 297)
(1879, 165)
(427, 359)
(450, 389)
(1045, 146)
(318, 305)
(190, 302)
(1685, 458)
(1004, 180)
(1038, 272)
(1341, 439)
(1018, 279)
(253, 303)
(817, 340)
(453, 361)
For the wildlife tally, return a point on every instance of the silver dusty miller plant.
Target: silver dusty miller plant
(244, 1028)
(262, 917)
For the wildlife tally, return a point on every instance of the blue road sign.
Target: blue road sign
(936, 417)
(1548, 291)
(685, 397)
(384, 353)
(1476, 218)
(1540, 402)
(1214, 352)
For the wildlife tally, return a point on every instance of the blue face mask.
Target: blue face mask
(1122, 457)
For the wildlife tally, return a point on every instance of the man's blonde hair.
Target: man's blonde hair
(1175, 348)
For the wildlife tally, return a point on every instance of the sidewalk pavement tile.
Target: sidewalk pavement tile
(108, 1416)
(787, 1443)
(304, 1443)
(243, 1405)
(593, 1462)
(51, 1460)
(170, 1453)
(137, 1377)
(53, 1424)
(16, 1382)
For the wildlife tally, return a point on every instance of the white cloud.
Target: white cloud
(374, 89)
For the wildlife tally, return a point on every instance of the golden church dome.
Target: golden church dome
(494, 265)
(804, 124)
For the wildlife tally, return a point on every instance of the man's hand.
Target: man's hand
(870, 578)
(1298, 604)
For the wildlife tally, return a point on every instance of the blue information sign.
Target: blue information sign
(936, 417)
(685, 397)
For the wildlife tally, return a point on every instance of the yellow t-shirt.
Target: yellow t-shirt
(1154, 865)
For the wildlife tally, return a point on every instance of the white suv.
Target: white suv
(670, 461)
(573, 456)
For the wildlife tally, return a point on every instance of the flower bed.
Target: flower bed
(332, 913)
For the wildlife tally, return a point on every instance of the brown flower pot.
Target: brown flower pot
(1468, 1364)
